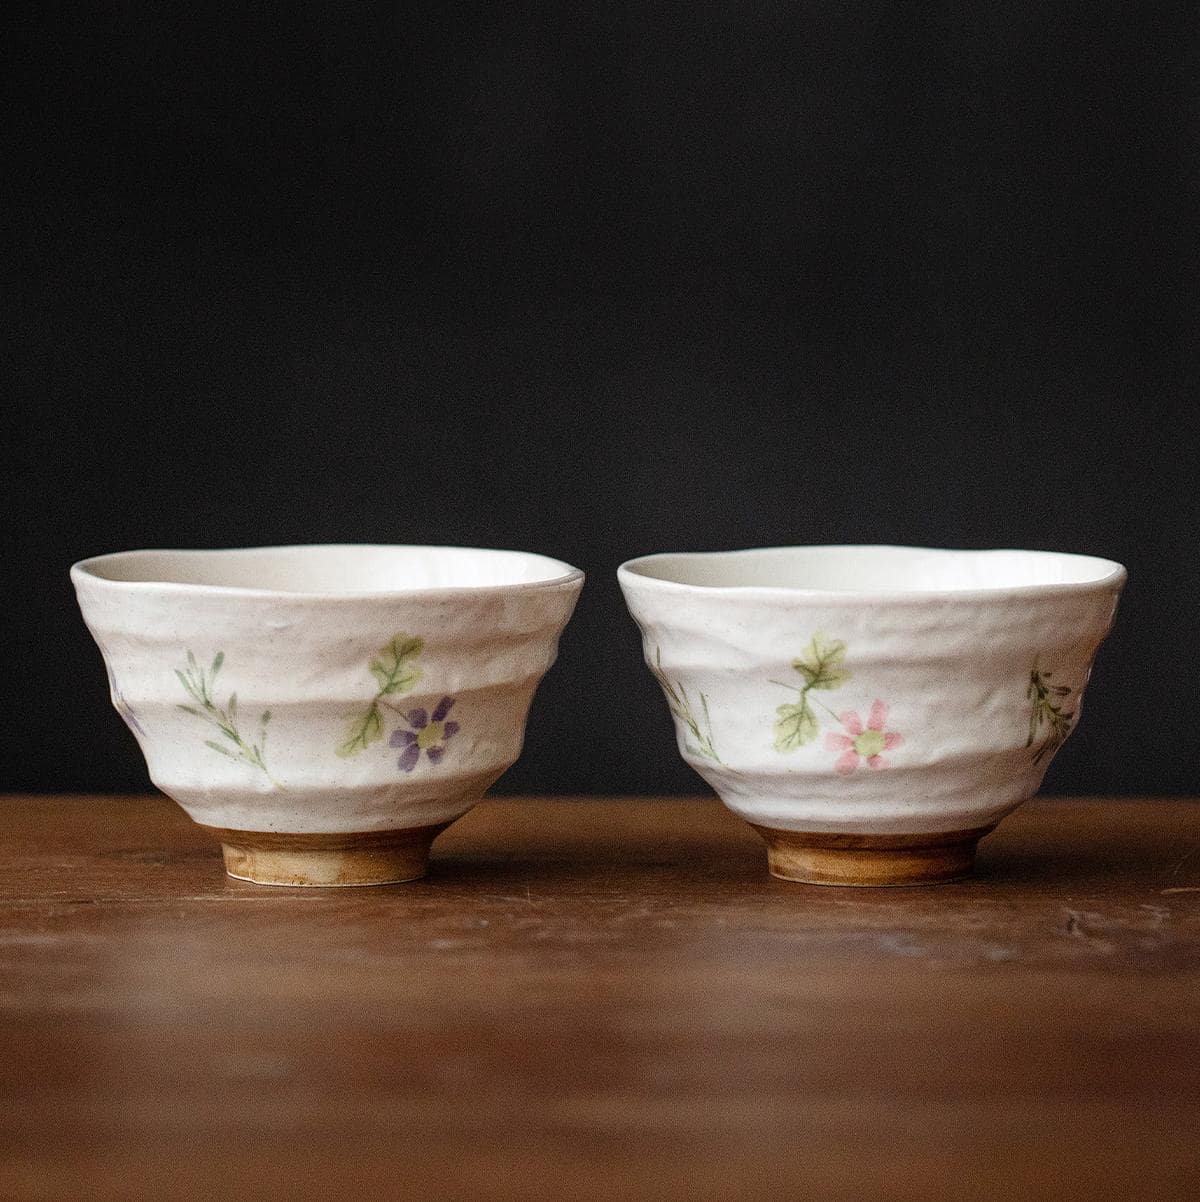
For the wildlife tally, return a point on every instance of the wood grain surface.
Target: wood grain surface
(599, 999)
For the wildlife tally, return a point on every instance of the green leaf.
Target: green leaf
(232, 708)
(190, 709)
(821, 665)
(265, 718)
(404, 680)
(189, 688)
(406, 648)
(362, 732)
(218, 660)
(217, 747)
(372, 726)
(795, 725)
(393, 668)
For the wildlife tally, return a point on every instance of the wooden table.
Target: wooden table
(599, 999)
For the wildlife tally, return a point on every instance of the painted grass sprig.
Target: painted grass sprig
(681, 706)
(1046, 713)
(200, 685)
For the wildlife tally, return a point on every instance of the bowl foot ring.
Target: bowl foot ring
(871, 860)
(328, 860)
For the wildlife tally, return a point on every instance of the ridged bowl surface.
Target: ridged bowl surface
(326, 689)
(872, 690)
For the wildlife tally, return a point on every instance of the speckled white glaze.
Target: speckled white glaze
(947, 641)
(297, 629)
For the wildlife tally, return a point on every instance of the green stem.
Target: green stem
(389, 686)
(804, 690)
(198, 686)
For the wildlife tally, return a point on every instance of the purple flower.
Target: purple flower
(430, 733)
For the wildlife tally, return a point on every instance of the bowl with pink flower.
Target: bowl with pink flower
(872, 711)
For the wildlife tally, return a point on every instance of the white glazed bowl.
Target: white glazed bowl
(872, 711)
(326, 710)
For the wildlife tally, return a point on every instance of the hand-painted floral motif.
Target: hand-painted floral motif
(396, 672)
(429, 733)
(121, 705)
(863, 743)
(200, 686)
(822, 668)
(681, 706)
(1049, 724)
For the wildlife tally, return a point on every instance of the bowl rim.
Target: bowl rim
(629, 574)
(84, 571)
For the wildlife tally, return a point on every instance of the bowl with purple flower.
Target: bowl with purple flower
(326, 711)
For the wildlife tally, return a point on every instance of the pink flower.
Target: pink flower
(868, 744)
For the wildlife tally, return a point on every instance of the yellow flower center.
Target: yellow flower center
(869, 743)
(431, 735)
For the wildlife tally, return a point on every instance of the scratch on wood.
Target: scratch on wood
(1075, 927)
(1183, 859)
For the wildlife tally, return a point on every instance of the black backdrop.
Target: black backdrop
(596, 281)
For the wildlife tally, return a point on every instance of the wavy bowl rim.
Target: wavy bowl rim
(1113, 580)
(82, 572)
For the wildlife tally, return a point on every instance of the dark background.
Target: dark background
(597, 283)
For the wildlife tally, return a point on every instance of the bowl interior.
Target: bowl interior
(348, 569)
(875, 569)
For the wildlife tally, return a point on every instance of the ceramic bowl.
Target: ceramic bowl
(326, 711)
(872, 711)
